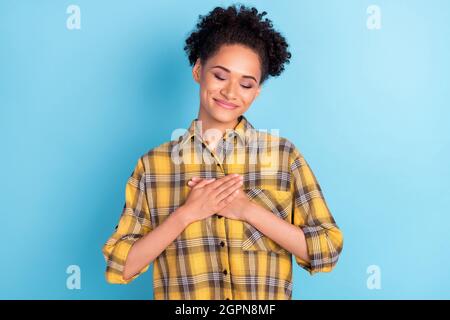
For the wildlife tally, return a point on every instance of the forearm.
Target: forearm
(146, 249)
(282, 232)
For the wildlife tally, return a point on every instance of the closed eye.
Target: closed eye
(218, 77)
(221, 79)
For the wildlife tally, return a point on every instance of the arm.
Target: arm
(313, 237)
(133, 225)
(148, 248)
(279, 230)
(135, 244)
(324, 240)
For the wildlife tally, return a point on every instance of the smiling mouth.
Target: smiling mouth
(225, 105)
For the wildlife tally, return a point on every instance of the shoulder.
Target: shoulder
(155, 156)
(285, 147)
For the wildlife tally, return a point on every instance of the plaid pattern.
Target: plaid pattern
(219, 258)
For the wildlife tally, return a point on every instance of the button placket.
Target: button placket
(213, 155)
(224, 257)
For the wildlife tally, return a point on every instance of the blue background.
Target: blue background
(367, 108)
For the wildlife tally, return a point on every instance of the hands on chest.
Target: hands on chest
(223, 196)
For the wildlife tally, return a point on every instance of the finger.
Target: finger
(229, 177)
(196, 178)
(194, 183)
(204, 183)
(228, 191)
(208, 181)
(227, 200)
(227, 185)
(191, 184)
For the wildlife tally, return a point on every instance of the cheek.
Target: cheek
(211, 83)
(209, 88)
(248, 96)
(214, 87)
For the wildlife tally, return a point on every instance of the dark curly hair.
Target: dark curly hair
(239, 24)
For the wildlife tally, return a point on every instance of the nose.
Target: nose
(229, 90)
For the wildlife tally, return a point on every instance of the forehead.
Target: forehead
(237, 58)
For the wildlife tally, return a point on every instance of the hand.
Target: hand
(236, 209)
(210, 196)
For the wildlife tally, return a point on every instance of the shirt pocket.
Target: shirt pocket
(279, 202)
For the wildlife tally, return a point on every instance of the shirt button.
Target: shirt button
(227, 298)
(225, 272)
(220, 217)
(222, 243)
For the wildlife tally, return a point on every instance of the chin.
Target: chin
(224, 116)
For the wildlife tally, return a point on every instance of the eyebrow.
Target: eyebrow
(227, 70)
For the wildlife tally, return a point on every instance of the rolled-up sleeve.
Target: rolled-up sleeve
(311, 213)
(133, 224)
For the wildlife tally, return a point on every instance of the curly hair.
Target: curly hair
(239, 24)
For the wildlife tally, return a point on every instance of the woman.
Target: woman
(222, 209)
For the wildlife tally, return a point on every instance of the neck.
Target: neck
(210, 123)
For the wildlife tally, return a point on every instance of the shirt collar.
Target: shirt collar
(241, 130)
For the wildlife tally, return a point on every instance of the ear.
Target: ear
(196, 70)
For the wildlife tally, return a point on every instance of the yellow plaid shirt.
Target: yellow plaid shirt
(221, 258)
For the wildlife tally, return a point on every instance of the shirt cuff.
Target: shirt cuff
(116, 262)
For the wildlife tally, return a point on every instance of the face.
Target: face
(229, 83)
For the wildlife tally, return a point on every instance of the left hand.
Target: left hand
(237, 209)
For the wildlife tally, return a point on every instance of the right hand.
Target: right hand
(211, 196)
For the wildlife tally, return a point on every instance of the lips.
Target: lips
(225, 104)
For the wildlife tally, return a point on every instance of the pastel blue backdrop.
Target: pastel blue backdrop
(369, 109)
